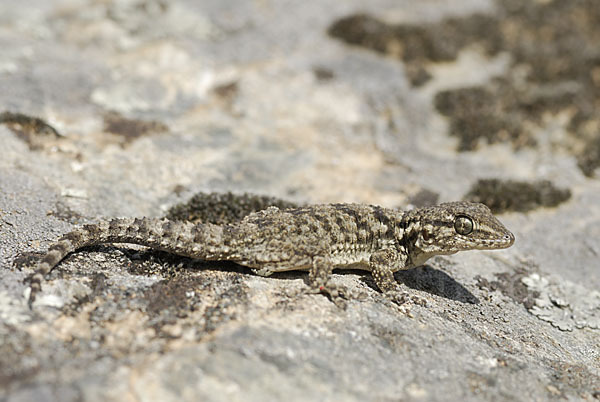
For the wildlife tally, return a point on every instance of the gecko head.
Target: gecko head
(456, 226)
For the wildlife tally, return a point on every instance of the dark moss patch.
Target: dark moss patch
(424, 198)
(511, 285)
(475, 115)
(437, 42)
(417, 75)
(555, 67)
(418, 44)
(130, 130)
(33, 130)
(323, 73)
(227, 91)
(179, 189)
(223, 208)
(508, 195)
(177, 298)
(27, 260)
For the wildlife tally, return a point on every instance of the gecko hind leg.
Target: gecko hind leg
(320, 281)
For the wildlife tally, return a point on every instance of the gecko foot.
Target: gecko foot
(403, 297)
(338, 294)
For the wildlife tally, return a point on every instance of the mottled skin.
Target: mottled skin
(316, 238)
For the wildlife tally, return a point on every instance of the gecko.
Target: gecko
(316, 238)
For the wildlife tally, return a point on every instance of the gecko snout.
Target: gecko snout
(508, 239)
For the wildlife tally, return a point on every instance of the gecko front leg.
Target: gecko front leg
(382, 265)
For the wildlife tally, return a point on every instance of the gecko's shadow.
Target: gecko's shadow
(168, 263)
(424, 278)
(433, 281)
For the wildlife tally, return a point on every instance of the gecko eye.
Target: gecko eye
(463, 225)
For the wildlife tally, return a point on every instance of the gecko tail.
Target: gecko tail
(55, 254)
(177, 237)
(128, 230)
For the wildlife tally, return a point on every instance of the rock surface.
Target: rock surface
(126, 108)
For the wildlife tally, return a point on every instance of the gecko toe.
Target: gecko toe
(398, 297)
(401, 298)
